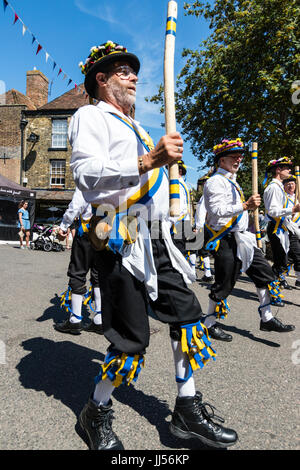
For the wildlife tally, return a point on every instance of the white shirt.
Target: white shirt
(200, 215)
(275, 198)
(105, 168)
(105, 159)
(223, 202)
(78, 206)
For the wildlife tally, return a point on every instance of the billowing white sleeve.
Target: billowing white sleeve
(90, 162)
(200, 214)
(75, 208)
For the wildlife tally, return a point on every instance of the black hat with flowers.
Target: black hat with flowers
(100, 59)
(290, 179)
(227, 147)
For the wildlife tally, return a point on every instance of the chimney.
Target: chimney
(37, 87)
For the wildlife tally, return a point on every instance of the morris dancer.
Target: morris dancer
(116, 165)
(81, 262)
(289, 185)
(234, 248)
(280, 225)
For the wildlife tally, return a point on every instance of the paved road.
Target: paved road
(46, 376)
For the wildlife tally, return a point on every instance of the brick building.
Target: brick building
(42, 146)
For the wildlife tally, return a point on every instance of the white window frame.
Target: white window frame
(57, 173)
(59, 133)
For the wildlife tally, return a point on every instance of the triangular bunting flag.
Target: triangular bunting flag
(5, 3)
(60, 71)
(33, 39)
(65, 76)
(24, 29)
(54, 65)
(16, 18)
(70, 81)
(47, 56)
(38, 49)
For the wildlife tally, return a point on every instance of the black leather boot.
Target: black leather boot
(191, 419)
(275, 325)
(68, 327)
(216, 332)
(96, 421)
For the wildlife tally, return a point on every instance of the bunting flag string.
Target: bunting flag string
(25, 29)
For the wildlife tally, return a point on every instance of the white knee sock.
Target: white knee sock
(76, 304)
(103, 391)
(206, 264)
(264, 299)
(97, 297)
(181, 361)
(210, 319)
(98, 315)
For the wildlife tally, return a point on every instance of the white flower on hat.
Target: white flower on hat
(80, 64)
(93, 48)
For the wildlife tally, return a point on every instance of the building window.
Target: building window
(57, 173)
(59, 133)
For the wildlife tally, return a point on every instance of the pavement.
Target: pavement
(46, 377)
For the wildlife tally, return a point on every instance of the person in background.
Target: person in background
(71, 229)
(24, 224)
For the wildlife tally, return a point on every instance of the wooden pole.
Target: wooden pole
(297, 174)
(255, 191)
(169, 98)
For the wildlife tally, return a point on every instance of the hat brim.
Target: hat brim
(279, 164)
(228, 152)
(103, 64)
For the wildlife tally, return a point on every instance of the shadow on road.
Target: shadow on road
(249, 335)
(62, 369)
(58, 314)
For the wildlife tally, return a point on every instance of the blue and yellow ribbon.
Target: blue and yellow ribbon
(171, 26)
(121, 368)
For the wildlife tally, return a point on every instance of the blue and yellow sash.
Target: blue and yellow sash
(279, 221)
(84, 226)
(120, 233)
(215, 237)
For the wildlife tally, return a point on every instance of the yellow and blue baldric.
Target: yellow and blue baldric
(279, 221)
(120, 233)
(196, 343)
(120, 368)
(215, 237)
(171, 26)
(84, 226)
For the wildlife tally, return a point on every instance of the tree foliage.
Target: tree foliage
(239, 82)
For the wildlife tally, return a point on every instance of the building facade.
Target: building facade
(34, 147)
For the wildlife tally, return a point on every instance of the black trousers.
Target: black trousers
(280, 257)
(228, 268)
(125, 303)
(294, 252)
(82, 260)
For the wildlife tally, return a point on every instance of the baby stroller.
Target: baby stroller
(44, 238)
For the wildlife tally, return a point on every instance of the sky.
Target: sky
(67, 29)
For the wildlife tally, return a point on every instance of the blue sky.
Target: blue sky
(67, 29)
